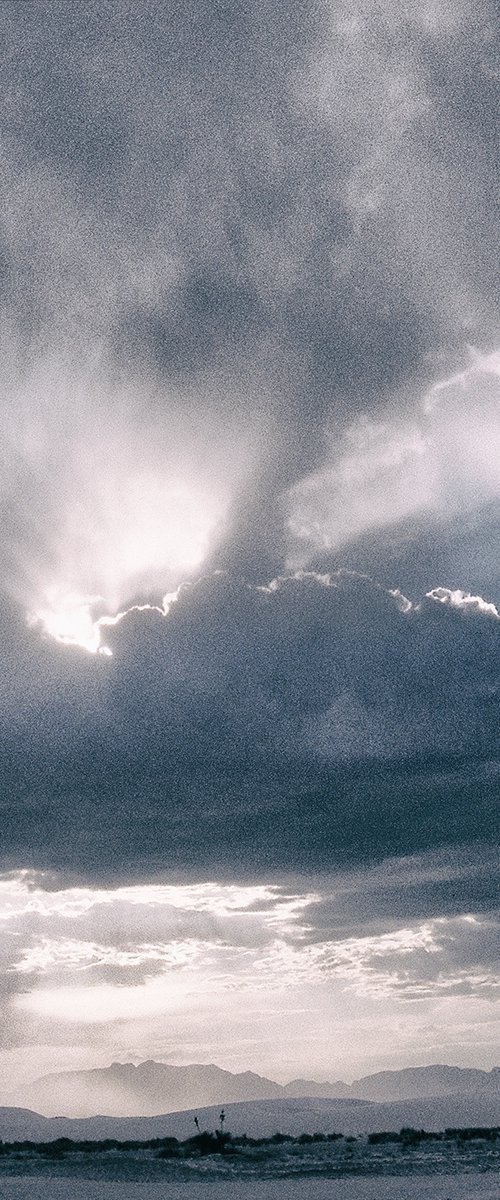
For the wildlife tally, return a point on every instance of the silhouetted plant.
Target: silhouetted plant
(411, 1137)
(170, 1148)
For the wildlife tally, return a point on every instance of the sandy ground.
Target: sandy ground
(473, 1186)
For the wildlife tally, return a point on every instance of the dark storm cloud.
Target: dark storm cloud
(252, 730)
(442, 958)
(291, 199)
(375, 899)
(231, 229)
(464, 549)
(460, 959)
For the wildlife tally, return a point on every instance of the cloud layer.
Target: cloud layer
(142, 969)
(254, 728)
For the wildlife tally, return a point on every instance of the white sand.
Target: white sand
(444, 1187)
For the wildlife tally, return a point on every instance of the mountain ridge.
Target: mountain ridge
(150, 1088)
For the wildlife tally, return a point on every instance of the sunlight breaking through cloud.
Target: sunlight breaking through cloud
(70, 621)
(437, 458)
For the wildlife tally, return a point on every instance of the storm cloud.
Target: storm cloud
(227, 233)
(272, 727)
(249, 507)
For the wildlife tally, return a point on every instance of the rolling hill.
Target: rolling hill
(259, 1118)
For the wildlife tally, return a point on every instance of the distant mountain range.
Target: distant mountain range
(144, 1090)
(150, 1088)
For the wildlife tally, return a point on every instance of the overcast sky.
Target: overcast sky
(249, 535)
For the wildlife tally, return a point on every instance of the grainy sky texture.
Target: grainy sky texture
(249, 536)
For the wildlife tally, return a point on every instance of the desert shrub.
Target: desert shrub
(412, 1137)
(203, 1143)
(55, 1149)
(208, 1143)
(379, 1139)
(485, 1133)
(169, 1148)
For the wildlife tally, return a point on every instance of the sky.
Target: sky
(249, 536)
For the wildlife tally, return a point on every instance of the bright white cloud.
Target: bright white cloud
(464, 602)
(119, 493)
(209, 971)
(252, 940)
(24, 892)
(440, 458)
